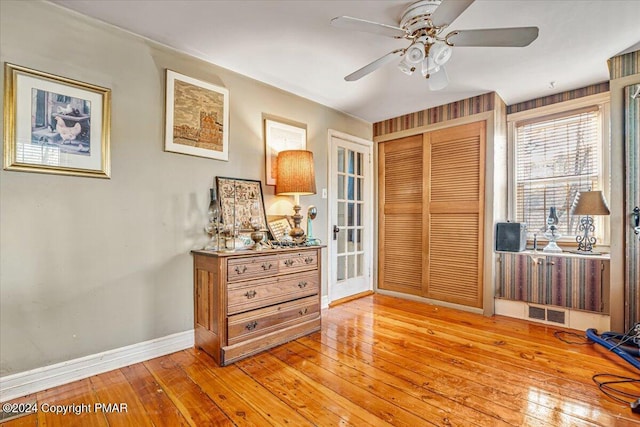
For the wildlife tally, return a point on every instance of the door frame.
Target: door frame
(369, 224)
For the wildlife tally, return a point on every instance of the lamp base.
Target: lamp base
(585, 241)
(297, 233)
(578, 252)
(552, 248)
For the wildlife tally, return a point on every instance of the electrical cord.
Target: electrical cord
(558, 334)
(607, 388)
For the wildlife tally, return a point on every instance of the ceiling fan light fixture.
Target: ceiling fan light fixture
(439, 80)
(441, 53)
(429, 66)
(415, 53)
(406, 67)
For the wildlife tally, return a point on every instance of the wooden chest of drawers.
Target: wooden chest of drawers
(246, 302)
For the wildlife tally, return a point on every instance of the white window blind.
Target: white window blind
(556, 156)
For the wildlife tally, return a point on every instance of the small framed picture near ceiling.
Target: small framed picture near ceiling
(53, 124)
(197, 117)
(280, 135)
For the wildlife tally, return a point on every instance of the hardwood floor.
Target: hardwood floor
(378, 361)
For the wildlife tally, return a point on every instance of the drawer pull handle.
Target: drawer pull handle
(303, 311)
(251, 326)
(250, 294)
(308, 260)
(241, 270)
(267, 266)
(288, 262)
(302, 285)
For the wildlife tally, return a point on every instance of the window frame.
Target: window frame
(602, 102)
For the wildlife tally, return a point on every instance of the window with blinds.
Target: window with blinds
(556, 157)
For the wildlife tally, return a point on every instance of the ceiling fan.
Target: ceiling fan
(423, 24)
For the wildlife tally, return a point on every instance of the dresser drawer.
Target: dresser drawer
(297, 261)
(251, 268)
(258, 322)
(245, 296)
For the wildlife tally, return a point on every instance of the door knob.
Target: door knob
(336, 230)
(636, 220)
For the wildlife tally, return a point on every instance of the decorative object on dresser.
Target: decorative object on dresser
(296, 177)
(312, 212)
(242, 210)
(280, 135)
(552, 234)
(588, 203)
(247, 302)
(213, 226)
(53, 124)
(280, 227)
(197, 117)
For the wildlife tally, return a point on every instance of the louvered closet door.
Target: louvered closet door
(455, 170)
(400, 216)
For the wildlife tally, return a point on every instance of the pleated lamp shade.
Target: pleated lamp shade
(590, 203)
(295, 173)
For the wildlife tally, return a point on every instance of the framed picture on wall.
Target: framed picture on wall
(280, 135)
(196, 117)
(54, 124)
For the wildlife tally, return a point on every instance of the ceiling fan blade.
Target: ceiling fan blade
(439, 80)
(498, 37)
(448, 11)
(367, 26)
(373, 66)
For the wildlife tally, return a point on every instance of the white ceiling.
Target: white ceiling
(291, 45)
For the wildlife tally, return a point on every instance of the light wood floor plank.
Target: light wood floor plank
(193, 403)
(113, 390)
(73, 397)
(229, 401)
(259, 397)
(157, 404)
(388, 387)
(317, 403)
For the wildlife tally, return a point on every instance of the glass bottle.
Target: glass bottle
(213, 227)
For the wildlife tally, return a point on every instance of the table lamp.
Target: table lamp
(295, 178)
(588, 203)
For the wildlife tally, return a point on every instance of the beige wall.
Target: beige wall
(87, 264)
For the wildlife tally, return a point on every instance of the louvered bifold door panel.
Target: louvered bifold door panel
(453, 273)
(400, 177)
(455, 214)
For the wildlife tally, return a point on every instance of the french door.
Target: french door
(350, 215)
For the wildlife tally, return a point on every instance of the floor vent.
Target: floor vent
(547, 314)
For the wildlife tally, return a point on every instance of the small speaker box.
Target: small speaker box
(511, 236)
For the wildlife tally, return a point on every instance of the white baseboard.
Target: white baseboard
(23, 383)
(575, 319)
(325, 301)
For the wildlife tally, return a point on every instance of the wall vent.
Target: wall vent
(547, 314)
(537, 313)
(555, 316)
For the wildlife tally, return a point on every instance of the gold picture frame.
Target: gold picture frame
(280, 135)
(196, 117)
(54, 124)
